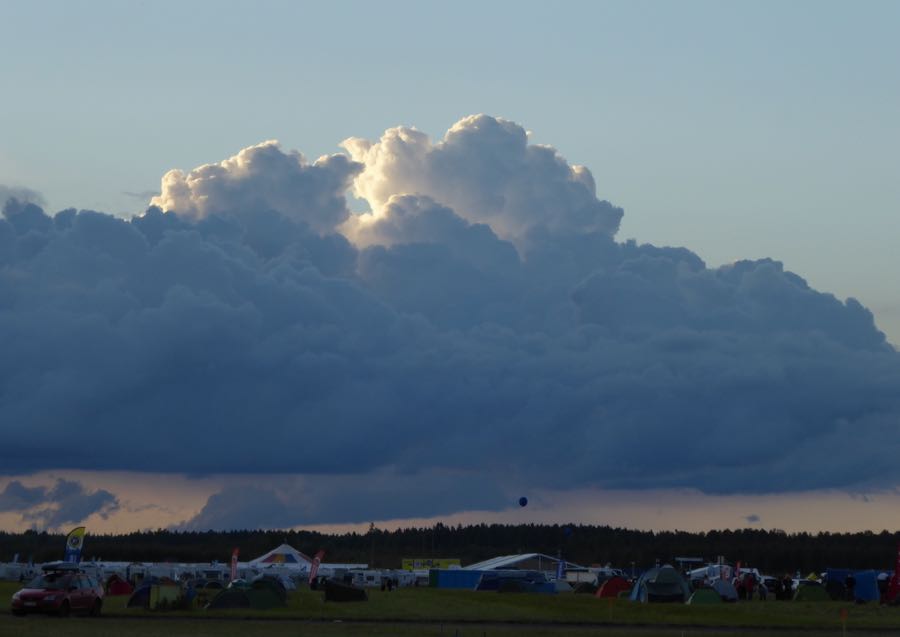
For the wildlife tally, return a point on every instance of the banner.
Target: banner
(894, 585)
(425, 563)
(234, 563)
(74, 543)
(314, 569)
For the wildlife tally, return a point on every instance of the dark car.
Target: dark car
(60, 589)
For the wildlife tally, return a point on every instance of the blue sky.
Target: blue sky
(738, 130)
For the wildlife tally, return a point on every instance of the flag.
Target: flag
(314, 569)
(894, 585)
(234, 563)
(74, 544)
(561, 569)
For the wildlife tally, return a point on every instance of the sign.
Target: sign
(424, 563)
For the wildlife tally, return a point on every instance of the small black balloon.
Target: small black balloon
(523, 501)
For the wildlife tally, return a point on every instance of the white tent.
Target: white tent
(284, 555)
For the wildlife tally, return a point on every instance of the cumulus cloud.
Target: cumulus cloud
(487, 172)
(261, 178)
(482, 320)
(66, 502)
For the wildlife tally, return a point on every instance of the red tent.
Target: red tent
(613, 586)
(115, 585)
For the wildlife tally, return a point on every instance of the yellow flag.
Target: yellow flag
(74, 542)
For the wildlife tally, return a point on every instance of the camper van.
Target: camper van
(595, 575)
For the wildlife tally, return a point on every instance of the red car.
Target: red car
(61, 589)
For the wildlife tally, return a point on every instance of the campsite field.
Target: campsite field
(425, 611)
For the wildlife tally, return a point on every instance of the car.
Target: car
(61, 589)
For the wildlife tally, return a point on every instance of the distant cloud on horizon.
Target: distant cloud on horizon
(482, 321)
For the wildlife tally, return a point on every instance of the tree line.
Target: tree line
(772, 551)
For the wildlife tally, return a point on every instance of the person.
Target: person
(763, 591)
(749, 586)
(850, 586)
(788, 586)
(779, 588)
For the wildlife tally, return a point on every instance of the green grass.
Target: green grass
(422, 611)
(145, 627)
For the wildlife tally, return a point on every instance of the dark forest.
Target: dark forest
(771, 551)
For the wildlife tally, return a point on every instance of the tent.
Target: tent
(866, 589)
(835, 589)
(230, 598)
(725, 589)
(811, 591)
(705, 596)
(660, 584)
(140, 598)
(115, 585)
(284, 555)
(513, 581)
(154, 595)
(261, 595)
(613, 586)
(339, 592)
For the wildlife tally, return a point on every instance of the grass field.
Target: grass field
(424, 611)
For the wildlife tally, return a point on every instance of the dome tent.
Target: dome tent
(261, 595)
(705, 596)
(613, 586)
(725, 589)
(811, 591)
(660, 584)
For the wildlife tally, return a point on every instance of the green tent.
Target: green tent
(660, 584)
(340, 592)
(705, 596)
(259, 596)
(811, 592)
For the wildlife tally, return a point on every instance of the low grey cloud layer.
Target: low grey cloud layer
(66, 502)
(481, 319)
(379, 495)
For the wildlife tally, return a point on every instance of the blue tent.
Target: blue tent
(866, 589)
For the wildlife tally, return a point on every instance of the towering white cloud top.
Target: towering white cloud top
(487, 172)
(483, 327)
(262, 177)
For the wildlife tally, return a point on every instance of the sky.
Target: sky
(632, 259)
